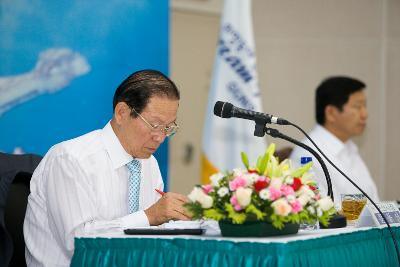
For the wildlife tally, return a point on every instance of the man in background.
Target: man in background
(106, 179)
(341, 114)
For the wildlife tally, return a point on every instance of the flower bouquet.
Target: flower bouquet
(270, 192)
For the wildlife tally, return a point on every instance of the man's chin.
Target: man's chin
(360, 131)
(147, 155)
(144, 155)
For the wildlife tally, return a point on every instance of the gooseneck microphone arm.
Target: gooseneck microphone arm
(227, 110)
(275, 133)
(353, 183)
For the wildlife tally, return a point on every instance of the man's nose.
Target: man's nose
(159, 137)
(364, 113)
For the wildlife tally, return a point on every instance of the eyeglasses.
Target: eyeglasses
(168, 130)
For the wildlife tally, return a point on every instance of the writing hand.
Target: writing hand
(168, 207)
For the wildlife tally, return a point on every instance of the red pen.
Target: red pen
(160, 192)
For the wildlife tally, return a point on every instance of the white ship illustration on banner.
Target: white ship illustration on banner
(55, 69)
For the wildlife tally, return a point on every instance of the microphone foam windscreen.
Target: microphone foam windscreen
(223, 109)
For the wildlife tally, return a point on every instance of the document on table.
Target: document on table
(207, 227)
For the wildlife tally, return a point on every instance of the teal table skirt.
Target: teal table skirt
(372, 247)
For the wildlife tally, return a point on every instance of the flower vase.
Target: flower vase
(256, 229)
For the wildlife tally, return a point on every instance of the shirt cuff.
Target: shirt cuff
(136, 219)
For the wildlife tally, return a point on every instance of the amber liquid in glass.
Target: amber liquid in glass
(352, 208)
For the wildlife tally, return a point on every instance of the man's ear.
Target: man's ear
(331, 113)
(121, 112)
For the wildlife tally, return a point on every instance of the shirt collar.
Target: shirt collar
(119, 157)
(332, 143)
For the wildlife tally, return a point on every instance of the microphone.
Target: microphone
(227, 110)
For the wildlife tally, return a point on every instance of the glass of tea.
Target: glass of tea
(352, 206)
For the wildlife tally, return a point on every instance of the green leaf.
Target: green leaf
(245, 160)
(271, 149)
(277, 221)
(300, 171)
(324, 219)
(281, 167)
(258, 164)
(252, 209)
(275, 171)
(263, 163)
(237, 218)
(214, 214)
(195, 209)
(270, 159)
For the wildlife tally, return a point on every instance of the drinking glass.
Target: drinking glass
(352, 206)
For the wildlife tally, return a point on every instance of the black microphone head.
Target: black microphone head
(223, 109)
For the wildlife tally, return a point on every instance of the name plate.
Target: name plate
(370, 216)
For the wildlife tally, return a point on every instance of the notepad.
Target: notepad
(162, 231)
(181, 225)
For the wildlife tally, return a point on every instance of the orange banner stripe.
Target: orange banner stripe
(207, 169)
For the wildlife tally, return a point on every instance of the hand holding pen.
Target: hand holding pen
(169, 207)
(160, 192)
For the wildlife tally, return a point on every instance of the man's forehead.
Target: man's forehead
(162, 108)
(156, 102)
(358, 96)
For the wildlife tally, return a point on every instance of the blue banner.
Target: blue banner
(61, 61)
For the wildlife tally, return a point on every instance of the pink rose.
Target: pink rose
(235, 203)
(287, 190)
(274, 193)
(207, 188)
(296, 206)
(236, 183)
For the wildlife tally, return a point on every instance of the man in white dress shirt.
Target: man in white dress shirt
(341, 114)
(81, 185)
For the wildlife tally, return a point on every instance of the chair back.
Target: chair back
(14, 215)
(15, 174)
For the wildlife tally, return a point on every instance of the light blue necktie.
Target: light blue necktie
(134, 168)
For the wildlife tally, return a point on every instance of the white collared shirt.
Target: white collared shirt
(81, 186)
(346, 157)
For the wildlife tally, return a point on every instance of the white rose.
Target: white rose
(311, 209)
(222, 191)
(289, 179)
(215, 178)
(291, 198)
(198, 195)
(250, 178)
(281, 207)
(304, 199)
(206, 202)
(325, 203)
(243, 196)
(264, 194)
(305, 190)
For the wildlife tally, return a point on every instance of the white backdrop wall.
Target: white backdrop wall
(298, 43)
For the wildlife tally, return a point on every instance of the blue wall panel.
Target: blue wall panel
(61, 61)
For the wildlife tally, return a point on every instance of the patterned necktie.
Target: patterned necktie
(134, 168)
